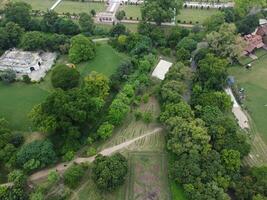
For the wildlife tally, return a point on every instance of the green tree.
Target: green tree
(172, 91)
(231, 160)
(105, 130)
(226, 43)
(66, 26)
(117, 30)
(73, 175)
(65, 77)
(97, 85)
(120, 15)
(243, 6)
(48, 22)
(81, 49)
(19, 13)
(212, 72)
(14, 32)
(214, 22)
(8, 76)
(39, 153)
(183, 55)
(18, 178)
(188, 44)
(109, 172)
(160, 10)
(86, 23)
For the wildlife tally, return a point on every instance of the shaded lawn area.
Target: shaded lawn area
(17, 100)
(79, 7)
(42, 5)
(194, 15)
(254, 82)
(177, 192)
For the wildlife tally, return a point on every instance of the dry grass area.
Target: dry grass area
(131, 129)
(3, 3)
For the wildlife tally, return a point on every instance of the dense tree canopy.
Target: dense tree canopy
(212, 72)
(160, 10)
(109, 172)
(81, 49)
(226, 43)
(65, 77)
(19, 13)
(35, 155)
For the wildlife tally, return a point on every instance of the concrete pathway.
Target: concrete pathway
(55, 5)
(238, 112)
(60, 168)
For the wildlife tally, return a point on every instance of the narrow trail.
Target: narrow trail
(60, 168)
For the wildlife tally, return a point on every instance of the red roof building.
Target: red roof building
(262, 30)
(253, 42)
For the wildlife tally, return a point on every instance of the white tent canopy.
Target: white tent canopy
(161, 69)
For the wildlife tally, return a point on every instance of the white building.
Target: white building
(34, 64)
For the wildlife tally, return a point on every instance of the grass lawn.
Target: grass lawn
(255, 83)
(132, 11)
(106, 61)
(79, 7)
(195, 15)
(17, 100)
(42, 5)
(177, 192)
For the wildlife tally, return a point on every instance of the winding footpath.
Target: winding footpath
(60, 168)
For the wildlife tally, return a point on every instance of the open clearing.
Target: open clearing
(79, 7)
(17, 99)
(255, 84)
(148, 178)
(42, 5)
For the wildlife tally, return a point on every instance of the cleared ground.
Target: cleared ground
(255, 84)
(78, 7)
(17, 99)
(42, 5)
(148, 177)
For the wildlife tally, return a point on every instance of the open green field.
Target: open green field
(17, 99)
(42, 5)
(255, 84)
(106, 61)
(132, 11)
(177, 192)
(79, 7)
(188, 15)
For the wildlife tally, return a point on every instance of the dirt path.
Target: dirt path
(60, 168)
(238, 112)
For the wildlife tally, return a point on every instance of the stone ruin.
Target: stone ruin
(33, 64)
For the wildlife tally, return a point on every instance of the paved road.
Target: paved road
(60, 168)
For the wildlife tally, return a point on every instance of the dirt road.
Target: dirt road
(60, 168)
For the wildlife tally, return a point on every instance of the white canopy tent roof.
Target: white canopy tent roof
(161, 69)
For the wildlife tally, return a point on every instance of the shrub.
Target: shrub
(105, 130)
(91, 151)
(37, 153)
(69, 156)
(109, 172)
(26, 79)
(73, 176)
(147, 117)
(8, 76)
(65, 77)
